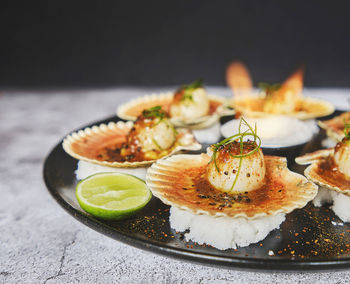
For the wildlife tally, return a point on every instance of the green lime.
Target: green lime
(112, 195)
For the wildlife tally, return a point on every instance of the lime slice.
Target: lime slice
(112, 195)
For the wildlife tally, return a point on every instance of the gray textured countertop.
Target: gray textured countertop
(41, 243)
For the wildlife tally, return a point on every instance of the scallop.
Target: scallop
(313, 157)
(102, 145)
(329, 168)
(218, 107)
(303, 108)
(190, 109)
(283, 101)
(181, 181)
(342, 156)
(335, 127)
(228, 173)
(161, 136)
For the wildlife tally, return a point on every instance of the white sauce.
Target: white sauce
(86, 169)
(276, 131)
(208, 135)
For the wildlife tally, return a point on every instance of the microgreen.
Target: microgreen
(269, 89)
(158, 112)
(187, 96)
(195, 85)
(155, 111)
(188, 90)
(347, 128)
(155, 143)
(238, 138)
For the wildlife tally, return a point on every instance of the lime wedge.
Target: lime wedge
(112, 196)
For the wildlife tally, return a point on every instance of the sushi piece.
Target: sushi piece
(230, 197)
(330, 168)
(128, 144)
(189, 106)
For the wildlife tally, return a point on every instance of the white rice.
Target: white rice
(341, 202)
(86, 169)
(223, 232)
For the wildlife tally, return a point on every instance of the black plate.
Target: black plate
(310, 238)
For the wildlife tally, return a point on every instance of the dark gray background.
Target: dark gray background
(53, 44)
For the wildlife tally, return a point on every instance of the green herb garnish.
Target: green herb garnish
(188, 90)
(187, 96)
(158, 112)
(195, 85)
(155, 112)
(269, 89)
(237, 138)
(156, 143)
(347, 129)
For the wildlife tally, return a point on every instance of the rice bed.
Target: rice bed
(341, 202)
(223, 232)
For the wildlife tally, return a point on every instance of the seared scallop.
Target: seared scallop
(190, 106)
(129, 144)
(229, 170)
(330, 168)
(335, 126)
(152, 131)
(285, 98)
(342, 156)
(282, 101)
(190, 102)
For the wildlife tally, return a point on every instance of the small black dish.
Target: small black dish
(290, 152)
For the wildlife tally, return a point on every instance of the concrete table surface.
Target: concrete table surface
(41, 243)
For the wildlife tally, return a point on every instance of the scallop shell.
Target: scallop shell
(252, 106)
(310, 158)
(132, 109)
(335, 127)
(88, 143)
(323, 178)
(174, 180)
